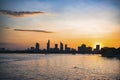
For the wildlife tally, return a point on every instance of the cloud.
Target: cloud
(8, 28)
(20, 14)
(43, 31)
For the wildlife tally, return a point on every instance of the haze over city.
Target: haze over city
(74, 22)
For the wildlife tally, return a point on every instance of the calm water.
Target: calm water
(58, 67)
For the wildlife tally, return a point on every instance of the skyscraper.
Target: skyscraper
(97, 47)
(56, 46)
(48, 45)
(83, 47)
(61, 46)
(65, 46)
(37, 47)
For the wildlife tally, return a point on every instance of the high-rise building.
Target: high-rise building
(89, 49)
(82, 49)
(56, 46)
(98, 47)
(61, 46)
(37, 47)
(56, 49)
(48, 45)
(79, 49)
(65, 46)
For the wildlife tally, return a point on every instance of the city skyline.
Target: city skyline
(89, 22)
(63, 48)
(58, 48)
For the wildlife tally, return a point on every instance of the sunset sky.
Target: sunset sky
(73, 22)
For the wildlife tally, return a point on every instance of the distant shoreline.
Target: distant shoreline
(111, 57)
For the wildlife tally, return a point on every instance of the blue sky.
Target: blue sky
(54, 5)
(60, 7)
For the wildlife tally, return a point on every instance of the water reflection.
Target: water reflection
(57, 67)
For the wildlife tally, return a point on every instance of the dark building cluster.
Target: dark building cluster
(110, 52)
(57, 49)
(63, 48)
(84, 49)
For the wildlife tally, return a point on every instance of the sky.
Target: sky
(73, 22)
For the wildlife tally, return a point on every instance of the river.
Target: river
(58, 67)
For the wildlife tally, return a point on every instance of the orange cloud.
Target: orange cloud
(43, 31)
(20, 14)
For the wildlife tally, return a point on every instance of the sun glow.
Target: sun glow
(98, 43)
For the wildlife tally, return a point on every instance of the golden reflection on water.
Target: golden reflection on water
(65, 67)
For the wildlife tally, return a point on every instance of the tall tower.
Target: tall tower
(37, 46)
(97, 47)
(48, 45)
(56, 46)
(83, 48)
(61, 46)
(65, 46)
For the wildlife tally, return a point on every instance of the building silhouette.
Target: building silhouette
(56, 49)
(61, 46)
(65, 47)
(105, 52)
(48, 45)
(56, 46)
(109, 52)
(97, 49)
(37, 47)
(89, 50)
(82, 49)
